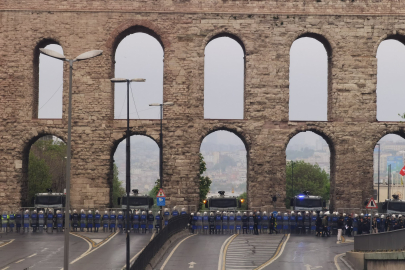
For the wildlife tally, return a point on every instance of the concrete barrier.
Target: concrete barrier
(376, 260)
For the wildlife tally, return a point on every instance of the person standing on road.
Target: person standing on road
(255, 223)
(211, 221)
(349, 225)
(244, 223)
(374, 225)
(272, 224)
(325, 226)
(339, 228)
(318, 225)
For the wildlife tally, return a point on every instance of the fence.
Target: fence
(386, 241)
(176, 224)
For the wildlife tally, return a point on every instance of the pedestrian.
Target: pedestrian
(375, 225)
(339, 228)
(255, 223)
(349, 226)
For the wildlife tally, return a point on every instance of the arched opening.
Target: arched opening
(144, 164)
(49, 98)
(138, 55)
(389, 156)
(390, 79)
(309, 72)
(309, 166)
(224, 76)
(225, 157)
(44, 165)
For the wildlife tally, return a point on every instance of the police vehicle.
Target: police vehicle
(306, 202)
(394, 206)
(222, 203)
(49, 200)
(139, 202)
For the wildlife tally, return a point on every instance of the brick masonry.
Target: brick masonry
(351, 32)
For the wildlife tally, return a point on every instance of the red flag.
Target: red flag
(402, 171)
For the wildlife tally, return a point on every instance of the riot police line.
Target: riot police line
(305, 223)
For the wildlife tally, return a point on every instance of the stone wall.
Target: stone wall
(351, 32)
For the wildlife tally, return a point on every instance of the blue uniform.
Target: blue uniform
(265, 222)
(59, 220)
(183, 213)
(135, 221)
(166, 216)
(97, 218)
(238, 224)
(34, 220)
(313, 223)
(157, 218)
(112, 221)
(11, 221)
(49, 220)
(105, 220)
(26, 220)
(90, 221)
(143, 221)
(82, 220)
(120, 219)
(18, 220)
(279, 220)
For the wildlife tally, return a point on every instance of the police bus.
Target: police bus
(49, 200)
(306, 202)
(222, 203)
(139, 202)
(394, 206)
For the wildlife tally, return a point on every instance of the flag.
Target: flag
(402, 171)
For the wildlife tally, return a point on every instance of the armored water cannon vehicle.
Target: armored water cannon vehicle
(223, 203)
(394, 205)
(136, 201)
(306, 202)
(49, 200)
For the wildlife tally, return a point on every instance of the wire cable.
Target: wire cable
(51, 96)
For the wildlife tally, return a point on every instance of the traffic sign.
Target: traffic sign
(161, 193)
(161, 201)
(371, 204)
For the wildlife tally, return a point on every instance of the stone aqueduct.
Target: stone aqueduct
(351, 31)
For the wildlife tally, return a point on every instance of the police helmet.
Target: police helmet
(41, 212)
(192, 214)
(224, 213)
(166, 209)
(143, 212)
(74, 211)
(218, 212)
(97, 211)
(58, 211)
(278, 213)
(314, 213)
(400, 216)
(82, 211)
(382, 216)
(89, 211)
(306, 212)
(158, 212)
(238, 213)
(198, 214)
(150, 212)
(361, 214)
(258, 213)
(251, 213)
(120, 212)
(26, 211)
(113, 212)
(205, 213)
(285, 214)
(105, 212)
(327, 213)
(292, 213)
(299, 213)
(211, 214)
(321, 213)
(393, 216)
(344, 214)
(264, 212)
(183, 209)
(174, 208)
(231, 213)
(244, 213)
(35, 211)
(137, 212)
(355, 215)
(376, 215)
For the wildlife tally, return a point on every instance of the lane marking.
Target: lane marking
(6, 268)
(91, 251)
(20, 261)
(32, 255)
(9, 242)
(278, 253)
(137, 254)
(94, 244)
(88, 242)
(171, 253)
(222, 253)
(336, 258)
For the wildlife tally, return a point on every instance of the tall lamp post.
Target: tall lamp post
(378, 184)
(83, 56)
(128, 160)
(161, 146)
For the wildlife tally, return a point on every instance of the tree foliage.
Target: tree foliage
(306, 177)
(205, 181)
(39, 177)
(118, 189)
(243, 196)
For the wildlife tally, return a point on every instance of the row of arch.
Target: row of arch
(224, 76)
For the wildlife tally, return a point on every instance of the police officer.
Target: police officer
(175, 213)
(136, 219)
(193, 222)
(206, 223)
(150, 220)
(199, 222)
(120, 221)
(224, 223)
(105, 221)
(238, 222)
(218, 223)
(272, 224)
(251, 223)
(34, 221)
(279, 221)
(259, 221)
(4, 221)
(352, 223)
(49, 222)
(307, 223)
(82, 218)
(255, 224)
(113, 218)
(11, 221)
(265, 222)
(143, 222)
(245, 221)
(166, 216)
(75, 220)
(26, 220)
(300, 223)
(41, 221)
(313, 223)
(18, 221)
(231, 223)
(325, 225)
(183, 211)
(318, 224)
(292, 222)
(285, 223)
(157, 223)
(90, 219)
(211, 221)
(59, 221)
(382, 223)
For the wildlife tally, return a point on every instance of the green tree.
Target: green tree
(205, 181)
(118, 189)
(306, 177)
(244, 197)
(39, 177)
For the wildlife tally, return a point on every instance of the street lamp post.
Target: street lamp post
(83, 56)
(378, 184)
(161, 147)
(128, 161)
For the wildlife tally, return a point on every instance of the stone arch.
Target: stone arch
(40, 44)
(320, 37)
(233, 129)
(224, 33)
(113, 148)
(25, 159)
(396, 35)
(329, 138)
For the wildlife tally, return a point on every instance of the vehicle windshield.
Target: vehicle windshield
(48, 200)
(305, 202)
(223, 203)
(396, 206)
(135, 201)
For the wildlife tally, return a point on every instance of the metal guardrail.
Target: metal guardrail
(385, 241)
(176, 224)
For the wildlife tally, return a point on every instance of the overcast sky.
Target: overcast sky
(141, 56)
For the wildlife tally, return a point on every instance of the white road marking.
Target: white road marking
(91, 251)
(171, 253)
(5, 244)
(336, 258)
(32, 255)
(220, 260)
(20, 261)
(6, 268)
(191, 264)
(278, 255)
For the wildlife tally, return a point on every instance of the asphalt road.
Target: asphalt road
(45, 251)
